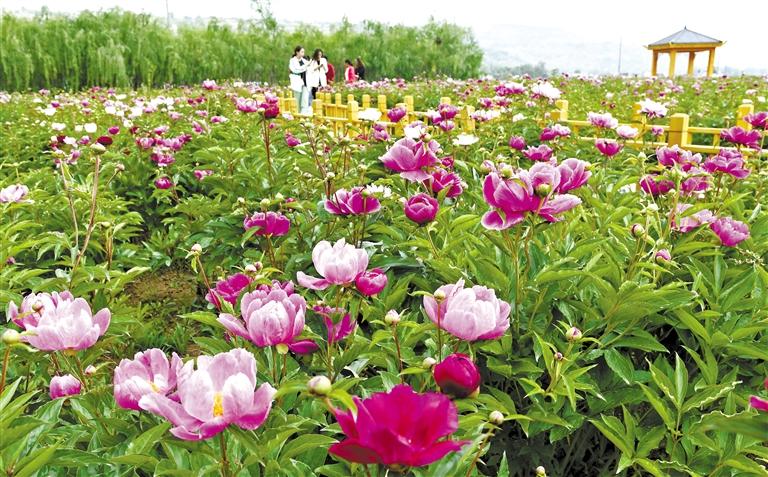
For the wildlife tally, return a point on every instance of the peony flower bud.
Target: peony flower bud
(574, 334)
(496, 418)
(559, 356)
(421, 208)
(662, 256)
(637, 230)
(428, 363)
(543, 190)
(319, 386)
(371, 282)
(541, 471)
(196, 248)
(457, 376)
(63, 386)
(279, 196)
(11, 337)
(392, 317)
(98, 148)
(265, 202)
(439, 295)
(90, 370)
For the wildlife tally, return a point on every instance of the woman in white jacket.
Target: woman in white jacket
(316, 73)
(298, 78)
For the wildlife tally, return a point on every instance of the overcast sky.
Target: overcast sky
(740, 24)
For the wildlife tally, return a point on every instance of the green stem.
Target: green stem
(399, 356)
(225, 471)
(6, 359)
(91, 220)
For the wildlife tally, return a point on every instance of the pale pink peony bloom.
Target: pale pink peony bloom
(730, 232)
(66, 325)
(221, 391)
(627, 132)
(652, 109)
(540, 153)
(602, 120)
(671, 156)
(410, 158)
(690, 222)
(148, 372)
(339, 264)
(34, 305)
(63, 386)
(470, 314)
(574, 173)
(14, 193)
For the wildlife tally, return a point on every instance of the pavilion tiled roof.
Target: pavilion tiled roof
(686, 37)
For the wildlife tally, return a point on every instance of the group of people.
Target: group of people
(309, 75)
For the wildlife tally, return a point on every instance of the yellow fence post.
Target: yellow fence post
(338, 99)
(466, 121)
(350, 98)
(561, 110)
(678, 130)
(746, 107)
(408, 100)
(352, 110)
(445, 100)
(366, 101)
(317, 107)
(381, 103)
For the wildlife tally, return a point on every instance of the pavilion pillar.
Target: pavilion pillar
(711, 62)
(672, 57)
(691, 59)
(654, 62)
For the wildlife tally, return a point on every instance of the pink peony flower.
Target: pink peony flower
(730, 232)
(221, 391)
(627, 132)
(269, 317)
(148, 372)
(210, 85)
(470, 314)
(457, 376)
(65, 325)
(741, 137)
(399, 428)
(690, 222)
(540, 153)
(603, 121)
(517, 142)
(652, 184)
(291, 140)
(697, 182)
(272, 224)
(34, 305)
(574, 173)
(228, 289)
(758, 120)
(63, 386)
(338, 328)
(371, 282)
(652, 109)
(163, 183)
(441, 179)
(201, 174)
(759, 403)
(339, 264)
(396, 114)
(657, 130)
(608, 147)
(355, 201)
(554, 132)
(13, 193)
(727, 161)
(662, 256)
(671, 156)
(421, 208)
(410, 158)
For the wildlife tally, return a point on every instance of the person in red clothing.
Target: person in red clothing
(349, 72)
(330, 75)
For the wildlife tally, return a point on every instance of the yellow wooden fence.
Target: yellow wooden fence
(330, 109)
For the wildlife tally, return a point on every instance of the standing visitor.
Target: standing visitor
(349, 72)
(360, 68)
(330, 76)
(298, 77)
(316, 71)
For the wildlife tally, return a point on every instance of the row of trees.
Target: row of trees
(125, 49)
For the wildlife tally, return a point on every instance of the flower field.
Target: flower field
(195, 281)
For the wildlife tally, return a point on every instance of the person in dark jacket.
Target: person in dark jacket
(360, 68)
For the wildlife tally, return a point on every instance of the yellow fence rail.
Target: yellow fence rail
(330, 109)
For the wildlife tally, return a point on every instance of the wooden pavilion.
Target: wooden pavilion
(684, 41)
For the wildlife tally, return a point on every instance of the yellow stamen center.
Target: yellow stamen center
(154, 387)
(218, 406)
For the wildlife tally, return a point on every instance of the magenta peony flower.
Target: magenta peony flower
(273, 224)
(410, 158)
(457, 376)
(63, 386)
(379, 132)
(229, 289)
(554, 132)
(338, 328)
(441, 179)
(396, 114)
(291, 140)
(355, 201)
(758, 403)
(671, 156)
(727, 161)
(269, 318)
(64, 324)
(541, 153)
(662, 256)
(148, 372)
(652, 184)
(731, 232)
(113, 130)
(302, 347)
(690, 222)
(339, 264)
(163, 183)
(104, 140)
(13, 193)
(517, 142)
(246, 105)
(608, 147)
(758, 120)
(740, 137)
(210, 85)
(603, 121)
(221, 391)
(657, 130)
(574, 173)
(33, 306)
(697, 182)
(201, 174)
(470, 314)
(421, 208)
(371, 282)
(398, 428)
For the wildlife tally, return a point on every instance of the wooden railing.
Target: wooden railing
(330, 109)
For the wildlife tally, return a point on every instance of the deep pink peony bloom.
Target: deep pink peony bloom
(148, 372)
(273, 224)
(269, 317)
(662, 256)
(574, 173)
(163, 183)
(697, 182)
(302, 347)
(441, 179)
(410, 158)
(604, 121)
(608, 147)
(421, 208)
(228, 289)
(758, 120)
(396, 114)
(652, 184)
(286, 286)
(731, 232)
(113, 130)
(741, 137)
(554, 132)
(727, 161)
(63, 386)
(541, 153)
(65, 324)
(355, 201)
(291, 140)
(104, 140)
(371, 282)
(337, 328)
(759, 403)
(690, 222)
(34, 305)
(13, 193)
(671, 156)
(398, 428)
(339, 264)
(517, 142)
(246, 105)
(457, 376)
(221, 391)
(470, 314)
(201, 174)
